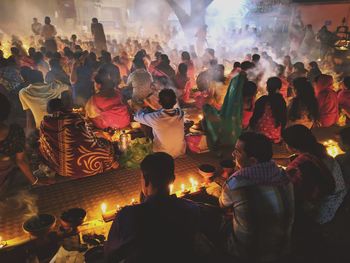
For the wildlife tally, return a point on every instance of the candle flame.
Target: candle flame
(200, 116)
(182, 187)
(332, 148)
(103, 208)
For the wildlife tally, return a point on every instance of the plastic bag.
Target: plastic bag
(139, 148)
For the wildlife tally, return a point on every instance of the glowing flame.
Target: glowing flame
(171, 187)
(103, 208)
(332, 148)
(183, 188)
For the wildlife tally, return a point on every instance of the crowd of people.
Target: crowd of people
(67, 94)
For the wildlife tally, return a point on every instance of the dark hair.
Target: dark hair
(345, 136)
(182, 69)
(313, 64)
(165, 59)
(31, 51)
(304, 99)
(157, 54)
(5, 107)
(94, 20)
(54, 63)
(25, 73)
(257, 145)
(55, 105)
(301, 138)
(14, 51)
(299, 66)
(347, 82)
(273, 85)
(47, 20)
(185, 55)
(280, 70)
(249, 89)
(245, 65)
(35, 77)
(256, 57)
(167, 98)
(107, 85)
(158, 170)
(237, 64)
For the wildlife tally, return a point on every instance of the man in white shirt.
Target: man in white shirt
(35, 97)
(167, 124)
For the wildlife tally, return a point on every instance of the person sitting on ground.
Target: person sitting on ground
(303, 108)
(249, 92)
(140, 81)
(12, 152)
(223, 127)
(182, 83)
(314, 71)
(270, 112)
(164, 68)
(167, 124)
(40, 63)
(109, 68)
(344, 159)
(218, 87)
(56, 73)
(81, 79)
(344, 97)
(153, 230)
(235, 70)
(318, 180)
(262, 200)
(35, 97)
(285, 84)
(186, 58)
(327, 100)
(105, 109)
(69, 148)
(298, 72)
(155, 62)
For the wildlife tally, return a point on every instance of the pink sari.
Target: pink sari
(107, 112)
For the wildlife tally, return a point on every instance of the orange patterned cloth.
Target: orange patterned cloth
(70, 148)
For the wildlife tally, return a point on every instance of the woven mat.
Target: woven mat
(117, 187)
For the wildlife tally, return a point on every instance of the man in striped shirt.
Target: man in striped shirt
(262, 200)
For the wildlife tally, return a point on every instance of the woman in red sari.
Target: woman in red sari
(327, 100)
(344, 97)
(270, 112)
(106, 109)
(70, 148)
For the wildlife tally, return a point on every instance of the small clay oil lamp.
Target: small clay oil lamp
(207, 172)
(227, 168)
(40, 225)
(72, 218)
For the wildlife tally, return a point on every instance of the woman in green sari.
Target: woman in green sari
(224, 127)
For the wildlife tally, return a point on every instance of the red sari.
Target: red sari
(105, 112)
(327, 101)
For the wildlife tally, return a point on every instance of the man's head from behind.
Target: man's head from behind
(167, 98)
(47, 20)
(94, 20)
(252, 148)
(157, 173)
